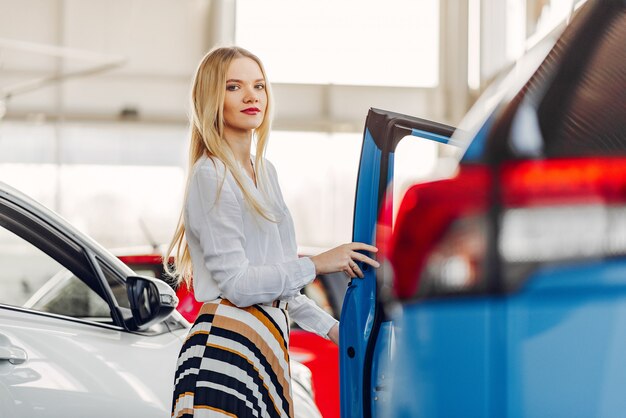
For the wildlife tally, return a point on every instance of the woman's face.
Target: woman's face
(245, 100)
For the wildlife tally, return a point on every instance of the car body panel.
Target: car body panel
(565, 334)
(563, 316)
(73, 366)
(450, 343)
(552, 343)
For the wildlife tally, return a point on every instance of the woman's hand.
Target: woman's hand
(333, 334)
(343, 258)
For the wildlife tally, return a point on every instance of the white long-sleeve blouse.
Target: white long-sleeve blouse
(240, 256)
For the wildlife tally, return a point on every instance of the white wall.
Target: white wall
(67, 144)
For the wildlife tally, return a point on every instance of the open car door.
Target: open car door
(366, 332)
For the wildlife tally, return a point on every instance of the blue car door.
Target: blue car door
(366, 331)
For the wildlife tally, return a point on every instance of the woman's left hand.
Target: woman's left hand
(333, 334)
(342, 258)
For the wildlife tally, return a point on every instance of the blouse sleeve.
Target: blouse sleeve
(310, 317)
(214, 216)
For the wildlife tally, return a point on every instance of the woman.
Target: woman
(236, 234)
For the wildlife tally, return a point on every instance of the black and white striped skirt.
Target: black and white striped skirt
(235, 363)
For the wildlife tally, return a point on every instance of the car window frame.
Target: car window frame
(66, 251)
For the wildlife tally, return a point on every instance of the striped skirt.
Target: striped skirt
(235, 363)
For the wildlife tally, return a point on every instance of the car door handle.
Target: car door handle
(13, 355)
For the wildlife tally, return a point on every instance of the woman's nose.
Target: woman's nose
(251, 96)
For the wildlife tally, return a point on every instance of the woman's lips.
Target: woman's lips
(251, 111)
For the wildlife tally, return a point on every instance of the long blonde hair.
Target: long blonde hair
(206, 130)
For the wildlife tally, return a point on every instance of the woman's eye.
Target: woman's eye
(260, 86)
(232, 87)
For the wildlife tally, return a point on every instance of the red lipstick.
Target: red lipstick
(251, 111)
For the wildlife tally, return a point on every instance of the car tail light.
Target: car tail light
(430, 231)
(546, 211)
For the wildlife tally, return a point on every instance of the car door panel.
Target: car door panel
(365, 331)
(81, 367)
(56, 361)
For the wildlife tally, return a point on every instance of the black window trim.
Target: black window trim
(40, 233)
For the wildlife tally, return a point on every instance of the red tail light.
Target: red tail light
(548, 211)
(425, 220)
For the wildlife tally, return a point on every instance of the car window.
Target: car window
(33, 279)
(574, 105)
(66, 294)
(589, 117)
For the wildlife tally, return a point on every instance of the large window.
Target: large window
(121, 184)
(501, 31)
(364, 42)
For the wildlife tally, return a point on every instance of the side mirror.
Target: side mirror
(151, 301)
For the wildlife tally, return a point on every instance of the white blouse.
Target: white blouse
(240, 256)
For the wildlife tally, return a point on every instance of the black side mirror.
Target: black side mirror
(151, 301)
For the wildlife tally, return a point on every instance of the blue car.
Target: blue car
(503, 288)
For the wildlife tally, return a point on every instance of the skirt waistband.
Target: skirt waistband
(281, 304)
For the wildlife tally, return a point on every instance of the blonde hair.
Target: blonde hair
(207, 129)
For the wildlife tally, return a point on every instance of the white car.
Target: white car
(80, 334)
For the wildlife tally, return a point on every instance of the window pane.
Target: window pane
(145, 200)
(86, 172)
(32, 279)
(593, 120)
(391, 43)
(70, 296)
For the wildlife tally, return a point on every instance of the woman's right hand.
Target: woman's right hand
(343, 258)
